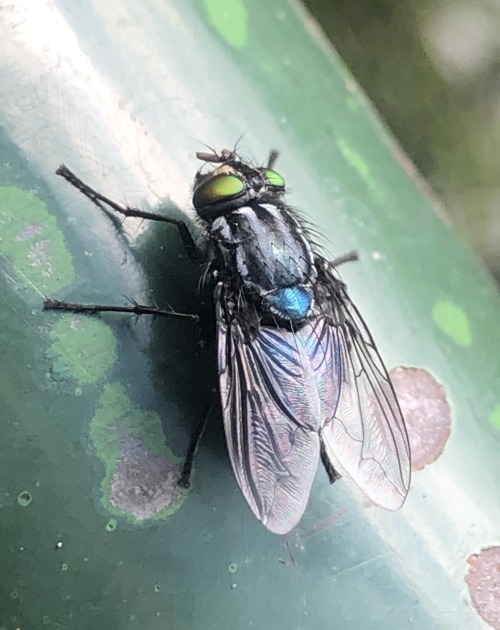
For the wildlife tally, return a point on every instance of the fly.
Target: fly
(300, 377)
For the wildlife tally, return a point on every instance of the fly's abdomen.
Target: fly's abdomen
(266, 247)
(292, 303)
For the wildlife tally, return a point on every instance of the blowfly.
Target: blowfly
(300, 377)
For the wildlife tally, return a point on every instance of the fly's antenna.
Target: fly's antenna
(211, 149)
(213, 157)
(225, 155)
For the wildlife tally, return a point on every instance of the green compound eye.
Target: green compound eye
(274, 178)
(217, 188)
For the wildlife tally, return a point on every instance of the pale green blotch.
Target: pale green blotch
(32, 242)
(495, 417)
(82, 348)
(353, 103)
(230, 19)
(359, 164)
(116, 424)
(452, 320)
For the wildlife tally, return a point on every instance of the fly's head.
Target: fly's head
(233, 183)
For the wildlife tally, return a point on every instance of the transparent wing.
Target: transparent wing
(366, 433)
(273, 400)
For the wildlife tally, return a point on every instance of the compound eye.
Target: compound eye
(273, 178)
(216, 189)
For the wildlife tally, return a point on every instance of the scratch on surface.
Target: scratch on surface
(359, 565)
(326, 523)
(26, 279)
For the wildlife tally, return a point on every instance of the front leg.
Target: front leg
(104, 203)
(136, 309)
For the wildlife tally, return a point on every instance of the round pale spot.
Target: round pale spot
(24, 498)
(230, 19)
(82, 348)
(495, 417)
(453, 321)
(483, 581)
(32, 242)
(144, 484)
(426, 412)
(141, 473)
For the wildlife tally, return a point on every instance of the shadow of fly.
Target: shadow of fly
(300, 377)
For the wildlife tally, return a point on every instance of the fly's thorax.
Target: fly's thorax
(263, 249)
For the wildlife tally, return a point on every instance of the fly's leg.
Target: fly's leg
(136, 309)
(104, 203)
(327, 265)
(187, 468)
(333, 475)
(352, 256)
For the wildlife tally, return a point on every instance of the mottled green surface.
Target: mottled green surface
(130, 444)
(95, 410)
(83, 348)
(31, 242)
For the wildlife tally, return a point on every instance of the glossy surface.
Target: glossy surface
(113, 90)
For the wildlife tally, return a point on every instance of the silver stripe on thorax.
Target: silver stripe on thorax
(267, 245)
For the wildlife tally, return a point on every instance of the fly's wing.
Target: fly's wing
(272, 401)
(366, 433)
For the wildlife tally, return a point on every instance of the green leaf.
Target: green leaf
(97, 413)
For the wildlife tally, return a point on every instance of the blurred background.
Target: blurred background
(432, 69)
